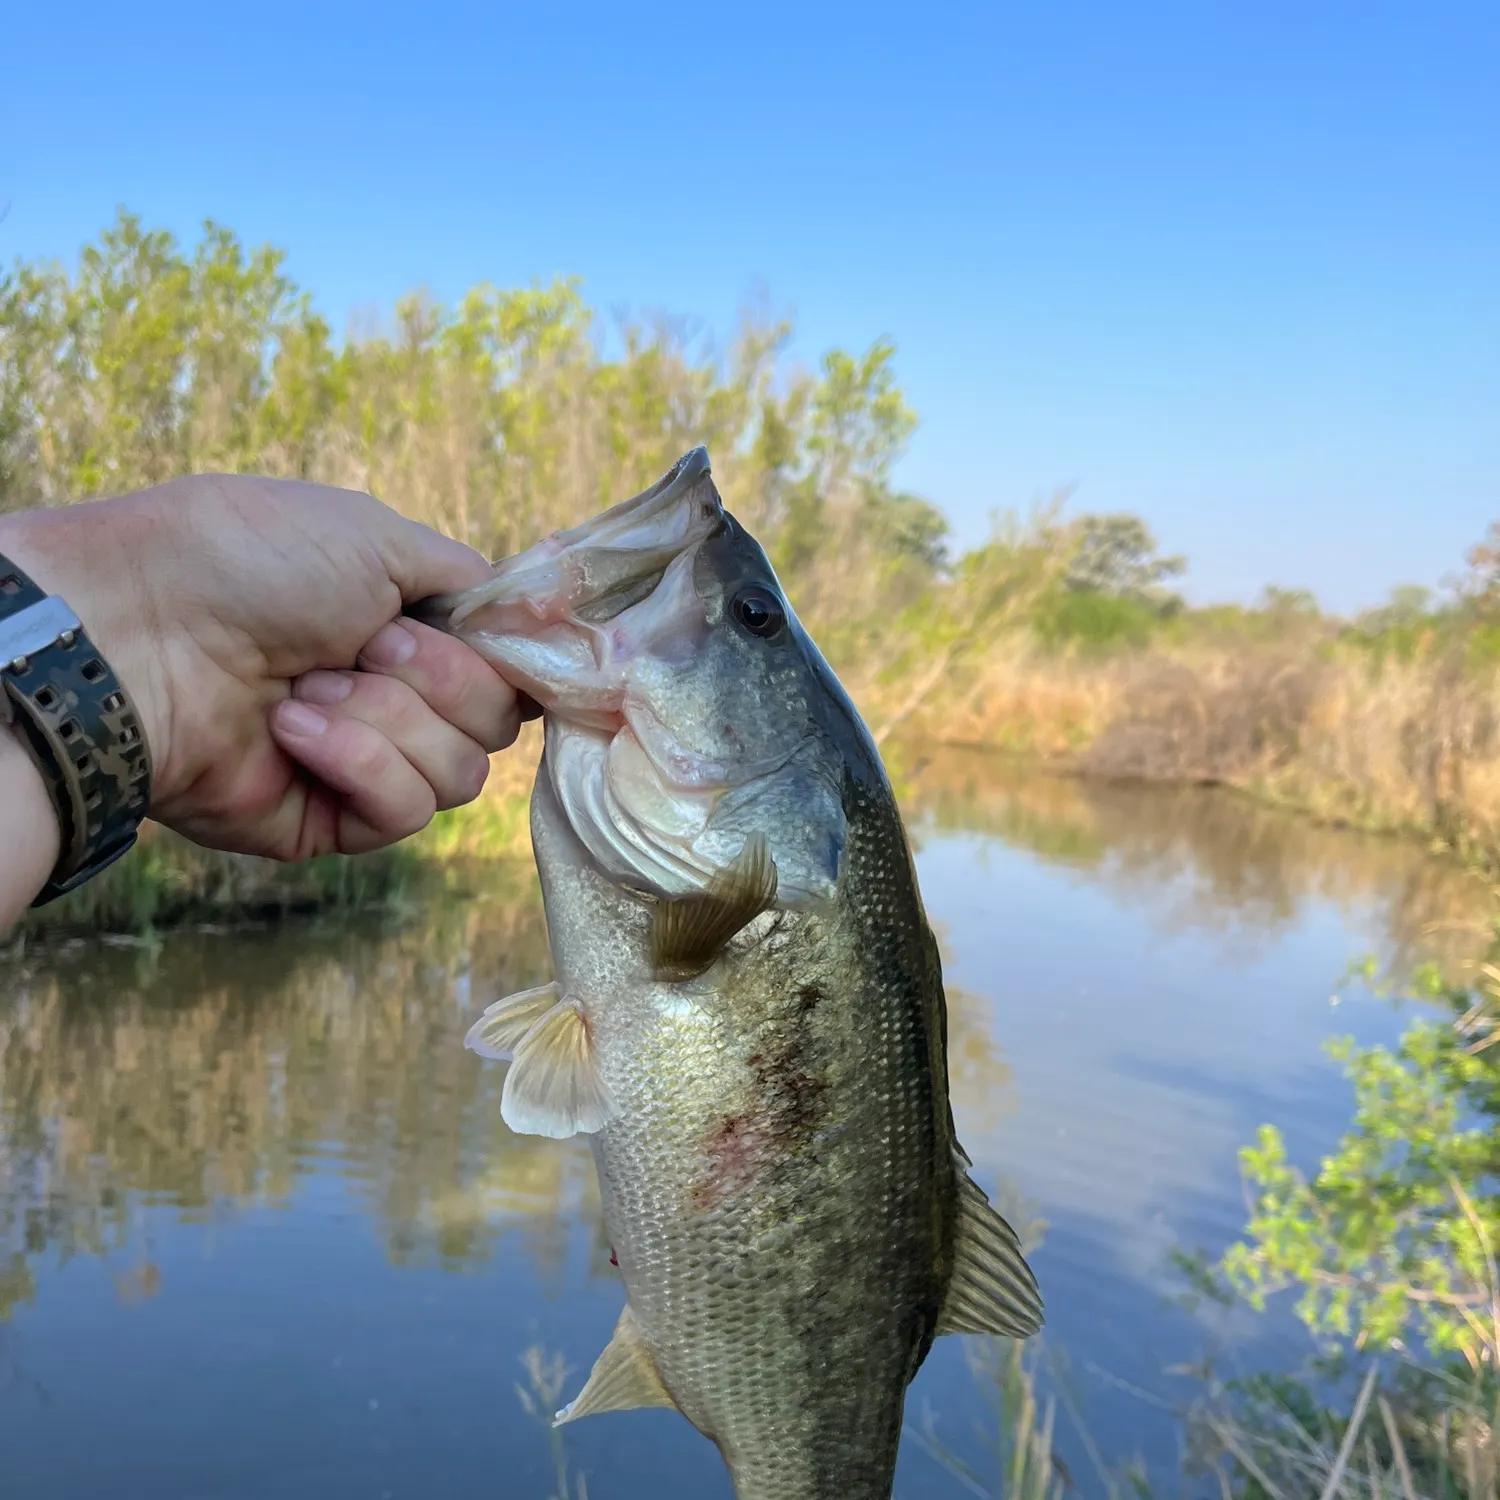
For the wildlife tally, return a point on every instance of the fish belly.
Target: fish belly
(779, 1254)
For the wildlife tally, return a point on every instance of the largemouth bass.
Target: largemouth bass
(748, 1018)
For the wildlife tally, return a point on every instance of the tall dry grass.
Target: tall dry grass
(1409, 746)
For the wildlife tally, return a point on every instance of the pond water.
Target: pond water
(263, 1232)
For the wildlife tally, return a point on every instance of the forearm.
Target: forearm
(28, 830)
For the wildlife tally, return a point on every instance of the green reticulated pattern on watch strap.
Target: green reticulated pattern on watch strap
(80, 726)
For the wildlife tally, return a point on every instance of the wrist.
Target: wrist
(29, 829)
(83, 555)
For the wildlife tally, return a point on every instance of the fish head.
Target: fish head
(686, 710)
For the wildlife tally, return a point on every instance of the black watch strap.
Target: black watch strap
(80, 726)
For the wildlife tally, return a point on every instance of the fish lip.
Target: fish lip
(605, 533)
(610, 552)
(677, 481)
(652, 504)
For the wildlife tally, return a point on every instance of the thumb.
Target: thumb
(423, 562)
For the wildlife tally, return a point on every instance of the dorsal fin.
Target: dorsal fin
(553, 1087)
(689, 932)
(624, 1377)
(992, 1289)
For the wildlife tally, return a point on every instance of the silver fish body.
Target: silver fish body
(748, 1015)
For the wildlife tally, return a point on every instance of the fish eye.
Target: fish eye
(758, 611)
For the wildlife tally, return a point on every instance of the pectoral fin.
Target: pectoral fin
(689, 932)
(624, 1377)
(992, 1289)
(498, 1032)
(553, 1087)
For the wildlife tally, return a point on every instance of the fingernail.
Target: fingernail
(298, 718)
(324, 687)
(390, 646)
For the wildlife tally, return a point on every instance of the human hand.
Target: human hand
(254, 624)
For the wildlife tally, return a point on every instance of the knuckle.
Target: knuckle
(452, 671)
(413, 813)
(367, 756)
(390, 700)
(397, 804)
(466, 782)
(449, 677)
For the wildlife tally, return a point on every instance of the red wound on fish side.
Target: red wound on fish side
(614, 1260)
(738, 1149)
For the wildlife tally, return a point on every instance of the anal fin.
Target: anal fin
(992, 1289)
(553, 1087)
(689, 932)
(624, 1377)
(498, 1032)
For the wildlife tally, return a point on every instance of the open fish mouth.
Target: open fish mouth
(593, 572)
(579, 618)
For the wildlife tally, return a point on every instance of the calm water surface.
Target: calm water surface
(263, 1232)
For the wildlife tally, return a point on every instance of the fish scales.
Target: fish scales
(780, 1177)
(748, 1018)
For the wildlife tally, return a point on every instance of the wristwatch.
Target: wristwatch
(79, 725)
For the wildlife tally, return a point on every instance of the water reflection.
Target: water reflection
(290, 1089)
(1206, 859)
(223, 1069)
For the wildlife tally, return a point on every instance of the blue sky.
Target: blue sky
(1236, 268)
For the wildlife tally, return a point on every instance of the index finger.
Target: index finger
(453, 679)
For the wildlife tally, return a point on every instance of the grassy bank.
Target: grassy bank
(1323, 725)
(1328, 729)
(169, 882)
